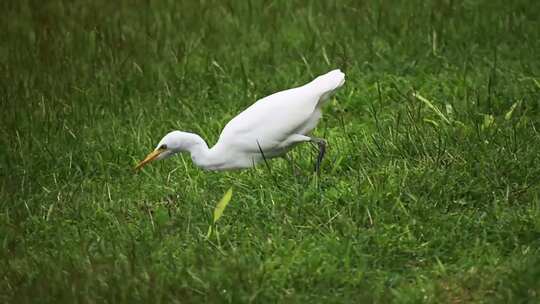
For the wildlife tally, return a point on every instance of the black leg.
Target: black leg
(322, 150)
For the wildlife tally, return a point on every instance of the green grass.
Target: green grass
(433, 198)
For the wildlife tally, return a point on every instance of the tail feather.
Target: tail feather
(328, 83)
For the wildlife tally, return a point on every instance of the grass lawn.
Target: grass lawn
(429, 192)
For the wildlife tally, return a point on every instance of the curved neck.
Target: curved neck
(201, 155)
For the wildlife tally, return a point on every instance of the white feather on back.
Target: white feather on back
(271, 120)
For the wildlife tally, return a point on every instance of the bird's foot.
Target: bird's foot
(322, 150)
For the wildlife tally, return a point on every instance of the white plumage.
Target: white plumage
(268, 128)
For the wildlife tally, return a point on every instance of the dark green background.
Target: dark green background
(420, 200)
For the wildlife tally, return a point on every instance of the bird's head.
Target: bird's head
(169, 145)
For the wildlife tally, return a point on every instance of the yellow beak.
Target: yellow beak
(150, 157)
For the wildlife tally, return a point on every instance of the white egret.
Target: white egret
(268, 128)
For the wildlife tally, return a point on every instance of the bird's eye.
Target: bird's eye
(163, 147)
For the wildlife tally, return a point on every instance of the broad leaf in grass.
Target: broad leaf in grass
(220, 207)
